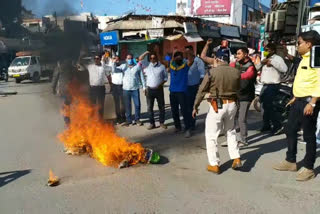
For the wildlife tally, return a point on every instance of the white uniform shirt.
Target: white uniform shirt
(97, 75)
(117, 74)
(271, 75)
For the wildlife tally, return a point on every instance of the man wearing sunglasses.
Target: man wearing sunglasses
(97, 79)
(156, 77)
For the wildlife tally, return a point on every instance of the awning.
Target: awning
(193, 37)
(174, 37)
(139, 25)
(141, 41)
(210, 33)
(230, 31)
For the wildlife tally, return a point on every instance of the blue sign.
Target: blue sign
(313, 2)
(109, 38)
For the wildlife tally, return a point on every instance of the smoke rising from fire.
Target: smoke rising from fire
(45, 7)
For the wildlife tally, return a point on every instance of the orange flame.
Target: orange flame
(52, 177)
(88, 134)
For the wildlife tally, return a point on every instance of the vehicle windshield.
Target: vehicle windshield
(21, 61)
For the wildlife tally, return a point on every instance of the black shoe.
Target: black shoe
(177, 130)
(277, 131)
(265, 129)
(151, 126)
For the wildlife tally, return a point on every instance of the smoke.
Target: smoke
(46, 7)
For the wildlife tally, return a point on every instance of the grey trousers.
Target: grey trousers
(241, 118)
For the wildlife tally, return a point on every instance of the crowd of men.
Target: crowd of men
(229, 88)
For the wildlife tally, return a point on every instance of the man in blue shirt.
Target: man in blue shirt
(156, 76)
(195, 75)
(132, 80)
(178, 91)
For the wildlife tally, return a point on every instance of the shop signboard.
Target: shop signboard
(109, 38)
(210, 7)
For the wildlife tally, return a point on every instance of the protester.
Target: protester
(62, 77)
(178, 91)
(132, 80)
(156, 77)
(195, 76)
(117, 91)
(222, 51)
(222, 82)
(247, 91)
(97, 79)
(304, 110)
(318, 131)
(272, 67)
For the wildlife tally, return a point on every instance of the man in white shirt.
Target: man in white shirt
(117, 92)
(272, 67)
(97, 79)
(156, 75)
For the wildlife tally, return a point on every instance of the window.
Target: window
(33, 61)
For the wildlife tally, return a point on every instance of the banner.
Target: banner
(210, 7)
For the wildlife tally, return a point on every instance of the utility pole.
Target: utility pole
(301, 15)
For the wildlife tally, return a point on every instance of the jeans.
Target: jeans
(241, 117)
(192, 93)
(97, 97)
(117, 94)
(179, 99)
(152, 95)
(297, 120)
(270, 116)
(135, 96)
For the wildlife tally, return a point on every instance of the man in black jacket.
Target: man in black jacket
(246, 92)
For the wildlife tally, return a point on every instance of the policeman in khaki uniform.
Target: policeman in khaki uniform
(222, 82)
(304, 110)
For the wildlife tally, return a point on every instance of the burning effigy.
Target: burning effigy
(88, 134)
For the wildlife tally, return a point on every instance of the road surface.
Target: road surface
(30, 122)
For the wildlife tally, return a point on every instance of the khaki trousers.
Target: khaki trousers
(214, 124)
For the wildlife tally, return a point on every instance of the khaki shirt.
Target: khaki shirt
(223, 79)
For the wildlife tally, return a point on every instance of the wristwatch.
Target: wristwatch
(312, 104)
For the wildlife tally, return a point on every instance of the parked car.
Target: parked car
(28, 68)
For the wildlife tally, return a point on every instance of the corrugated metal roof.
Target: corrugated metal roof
(139, 25)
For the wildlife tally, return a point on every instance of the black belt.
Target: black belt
(305, 99)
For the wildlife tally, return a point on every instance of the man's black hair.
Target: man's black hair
(272, 47)
(189, 47)
(311, 36)
(244, 50)
(179, 53)
(130, 54)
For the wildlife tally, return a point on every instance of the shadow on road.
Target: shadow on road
(252, 157)
(8, 177)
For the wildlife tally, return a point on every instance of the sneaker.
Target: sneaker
(151, 126)
(134, 123)
(285, 166)
(265, 129)
(215, 169)
(162, 125)
(224, 144)
(236, 164)
(125, 124)
(187, 134)
(242, 144)
(277, 131)
(305, 174)
(139, 123)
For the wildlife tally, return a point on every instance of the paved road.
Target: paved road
(30, 122)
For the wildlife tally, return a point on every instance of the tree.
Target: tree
(10, 12)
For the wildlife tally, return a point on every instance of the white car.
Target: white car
(25, 68)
